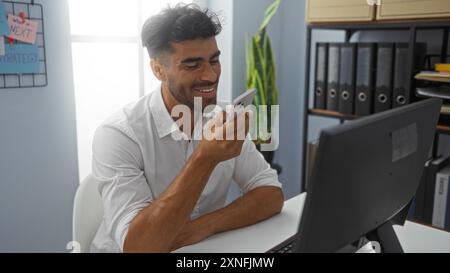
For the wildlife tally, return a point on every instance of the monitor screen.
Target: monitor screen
(366, 171)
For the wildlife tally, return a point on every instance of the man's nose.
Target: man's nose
(208, 74)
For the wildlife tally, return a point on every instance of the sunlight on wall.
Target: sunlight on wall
(111, 68)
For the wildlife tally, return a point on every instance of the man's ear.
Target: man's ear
(158, 69)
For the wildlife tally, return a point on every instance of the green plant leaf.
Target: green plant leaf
(270, 12)
(260, 88)
(268, 55)
(248, 62)
(261, 71)
(260, 64)
(269, 69)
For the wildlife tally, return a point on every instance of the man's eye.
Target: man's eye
(215, 61)
(192, 65)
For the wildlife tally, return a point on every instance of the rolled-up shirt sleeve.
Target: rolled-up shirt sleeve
(251, 169)
(117, 165)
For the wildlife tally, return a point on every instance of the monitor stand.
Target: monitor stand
(386, 237)
(385, 234)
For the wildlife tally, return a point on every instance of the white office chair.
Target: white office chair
(87, 213)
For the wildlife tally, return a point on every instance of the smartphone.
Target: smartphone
(243, 100)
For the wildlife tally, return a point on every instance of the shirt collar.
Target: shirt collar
(164, 123)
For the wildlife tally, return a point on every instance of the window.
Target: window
(110, 66)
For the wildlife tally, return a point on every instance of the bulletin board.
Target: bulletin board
(33, 12)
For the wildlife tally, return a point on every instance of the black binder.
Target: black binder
(333, 77)
(401, 72)
(320, 88)
(384, 79)
(403, 78)
(346, 103)
(365, 79)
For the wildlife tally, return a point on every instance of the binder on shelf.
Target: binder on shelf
(346, 104)
(333, 77)
(402, 76)
(441, 210)
(400, 96)
(384, 68)
(434, 167)
(320, 88)
(364, 79)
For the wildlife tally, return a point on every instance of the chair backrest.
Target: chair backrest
(87, 213)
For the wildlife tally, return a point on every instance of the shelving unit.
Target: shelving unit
(442, 128)
(350, 28)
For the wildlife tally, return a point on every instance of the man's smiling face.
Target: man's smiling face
(193, 69)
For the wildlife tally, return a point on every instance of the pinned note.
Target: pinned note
(4, 27)
(22, 29)
(19, 59)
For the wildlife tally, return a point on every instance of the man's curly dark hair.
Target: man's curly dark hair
(176, 24)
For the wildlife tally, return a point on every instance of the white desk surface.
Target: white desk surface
(260, 237)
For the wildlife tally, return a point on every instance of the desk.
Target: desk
(263, 236)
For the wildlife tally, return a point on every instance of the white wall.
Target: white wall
(224, 9)
(38, 161)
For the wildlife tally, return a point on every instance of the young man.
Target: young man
(160, 191)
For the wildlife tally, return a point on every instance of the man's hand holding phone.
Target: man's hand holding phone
(224, 136)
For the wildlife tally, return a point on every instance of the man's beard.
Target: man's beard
(184, 95)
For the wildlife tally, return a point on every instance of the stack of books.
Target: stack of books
(437, 86)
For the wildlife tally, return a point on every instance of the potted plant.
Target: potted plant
(261, 74)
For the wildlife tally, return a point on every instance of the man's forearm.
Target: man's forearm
(256, 205)
(155, 227)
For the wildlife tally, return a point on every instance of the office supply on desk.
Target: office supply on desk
(442, 92)
(433, 76)
(442, 68)
(384, 77)
(445, 109)
(370, 191)
(365, 79)
(320, 89)
(26, 74)
(347, 73)
(333, 77)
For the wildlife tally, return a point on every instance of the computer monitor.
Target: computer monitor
(365, 174)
